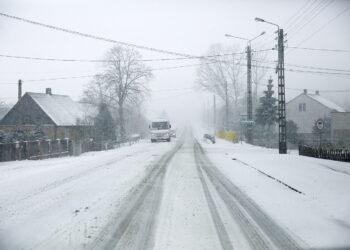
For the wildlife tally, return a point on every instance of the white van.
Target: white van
(160, 130)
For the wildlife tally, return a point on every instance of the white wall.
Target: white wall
(305, 120)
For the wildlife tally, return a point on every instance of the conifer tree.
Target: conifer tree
(3, 138)
(38, 133)
(18, 134)
(266, 113)
(104, 124)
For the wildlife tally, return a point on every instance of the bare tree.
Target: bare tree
(122, 84)
(222, 76)
(258, 72)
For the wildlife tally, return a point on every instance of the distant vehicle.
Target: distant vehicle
(160, 130)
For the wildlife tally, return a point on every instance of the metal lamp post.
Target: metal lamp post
(249, 85)
(282, 131)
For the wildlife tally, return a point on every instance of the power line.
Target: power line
(320, 90)
(317, 49)
(304, 66)
(324, 25)
(317, 12)
(94, 36)
(89, 76)
(299, 14)
(104, 39)
(346, 73)
(302, 15)
(170, 90)
(143, 60)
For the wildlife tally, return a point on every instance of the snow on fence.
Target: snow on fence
(331, 154)
(34, 150)
(43, 149)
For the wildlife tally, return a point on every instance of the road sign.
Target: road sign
(248, 123)
(320, 124)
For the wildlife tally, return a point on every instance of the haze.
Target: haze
(181, 26)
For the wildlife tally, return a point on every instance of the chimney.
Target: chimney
(305, 91)
(48, 91)
(317, 92)
(19, 89)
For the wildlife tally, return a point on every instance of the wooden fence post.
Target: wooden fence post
(40, 149)
(50, 147)
(59, 147)
(17, 155)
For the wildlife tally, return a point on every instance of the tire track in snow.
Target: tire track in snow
(66, 180)
(220, 228)
(259, 229)
(132, 226)
(6, 210)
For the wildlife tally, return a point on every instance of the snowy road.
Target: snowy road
(176, 195)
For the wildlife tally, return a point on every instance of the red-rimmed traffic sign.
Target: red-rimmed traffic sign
(320, 124)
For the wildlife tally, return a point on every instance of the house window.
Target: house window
(302, 107)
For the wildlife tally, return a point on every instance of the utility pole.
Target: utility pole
(282, 135)
(249, 120)
(19, 89)
(214, 116)
(249, 94)
(282, 131)
(208, 114)
(226, 106)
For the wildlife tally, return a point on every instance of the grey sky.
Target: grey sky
(182, 26)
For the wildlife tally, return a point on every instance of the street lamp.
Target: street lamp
(249, 84)
(257, 19)
(246, 39)
(282, 130)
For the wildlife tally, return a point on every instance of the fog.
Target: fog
(188, 27)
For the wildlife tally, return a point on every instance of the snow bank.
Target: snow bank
(319, 215)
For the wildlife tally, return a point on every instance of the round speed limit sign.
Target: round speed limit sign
(319, 124)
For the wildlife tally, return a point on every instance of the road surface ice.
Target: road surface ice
(186, 194)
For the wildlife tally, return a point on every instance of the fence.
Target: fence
(331, 154)
(42, 149)
(33, 150)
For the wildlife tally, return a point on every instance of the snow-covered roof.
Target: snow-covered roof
(60, 108)
(326, 102)
(160, 120)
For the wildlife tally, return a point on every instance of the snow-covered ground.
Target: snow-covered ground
(63, 203)
(187, 194)
(319, 214)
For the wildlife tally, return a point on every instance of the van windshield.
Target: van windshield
(159, 125)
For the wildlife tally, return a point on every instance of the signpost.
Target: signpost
(320, 126)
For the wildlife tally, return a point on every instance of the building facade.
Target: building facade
(341, 128)
(307, 108)
(59, 116)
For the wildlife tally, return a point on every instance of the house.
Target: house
(340, 131)
(59, 115)
(306, 108)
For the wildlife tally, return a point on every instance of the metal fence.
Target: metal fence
(325, 153)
